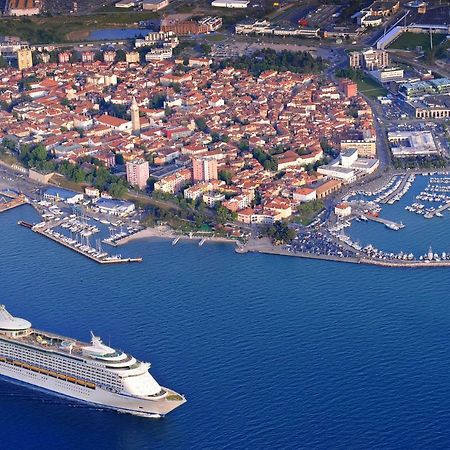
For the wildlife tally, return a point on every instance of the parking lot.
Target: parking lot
(317, 243)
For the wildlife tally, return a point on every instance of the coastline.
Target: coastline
(266, 247)
(169, 234)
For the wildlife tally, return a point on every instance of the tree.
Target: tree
(39, 153)
(3, 63)
(120, 55)
(222, 214)
(225, 175)
(157, 101)
(117, 189)
(200, 123)
(205, 49)
(243, 145)
(280, 233)
(119, 159)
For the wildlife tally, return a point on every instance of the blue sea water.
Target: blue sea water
(417, 236)
(271, 351)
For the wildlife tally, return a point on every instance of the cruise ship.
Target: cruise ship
(92, 372)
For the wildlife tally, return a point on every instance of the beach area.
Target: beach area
(164, 232)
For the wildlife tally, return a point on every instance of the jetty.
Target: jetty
(93, 254)
(399, 189)
(357, 259)
(437, 211)
(388, 223)
(14, 202)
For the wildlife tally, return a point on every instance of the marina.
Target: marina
(94, 254)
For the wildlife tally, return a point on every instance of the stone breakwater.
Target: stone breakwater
(282, 251)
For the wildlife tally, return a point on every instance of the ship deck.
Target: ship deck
(50, 342)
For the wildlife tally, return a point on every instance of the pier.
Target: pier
(397, 191)
(439, 210)
(388, 223)
(14, 201)
(99, 257)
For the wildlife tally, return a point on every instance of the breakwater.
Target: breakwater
(282, 251)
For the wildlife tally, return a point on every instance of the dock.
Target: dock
(388, 223)
(88, 252)
(14, 202)
(439, 210)
(175, 241)
(399, 189)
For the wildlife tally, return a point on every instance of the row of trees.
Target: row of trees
(36, 156)
(421, 162)
(265, 159)
(268, 59)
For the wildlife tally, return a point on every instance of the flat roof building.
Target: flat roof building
(63, 195)
(412, 143)
(115, 207)
(230, 3)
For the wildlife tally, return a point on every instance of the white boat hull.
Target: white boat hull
(145, 407)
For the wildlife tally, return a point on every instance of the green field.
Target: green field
(409, 41)
(215, 37)
(370, 87)
(48, 30)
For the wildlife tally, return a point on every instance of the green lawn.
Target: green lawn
(370, 87)
(47, 30)
(409, 41)
(215, 37)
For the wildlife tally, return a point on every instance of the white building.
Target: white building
(63, 195)
(337, 172)
(159, 54)
(304, 194)
(343, 210)
(387, 75)
(213, 198)
(115, 207)
(230, 3)
(412, 143)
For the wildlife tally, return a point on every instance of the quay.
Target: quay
(389, 223)
(439, 210)
(13, 203)
(103, 258)
(399, 189)
(282, 251)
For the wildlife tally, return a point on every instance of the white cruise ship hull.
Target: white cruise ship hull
(145, 407)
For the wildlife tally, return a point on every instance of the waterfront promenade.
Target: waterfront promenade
(265, 246)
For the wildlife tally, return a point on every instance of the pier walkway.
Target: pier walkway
(399, 189)
(389, 223)
(440, 209)
(102, 258)
(13, 203)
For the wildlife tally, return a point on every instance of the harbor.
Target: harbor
(95, 254)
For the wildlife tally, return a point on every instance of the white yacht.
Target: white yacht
(94, 372)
